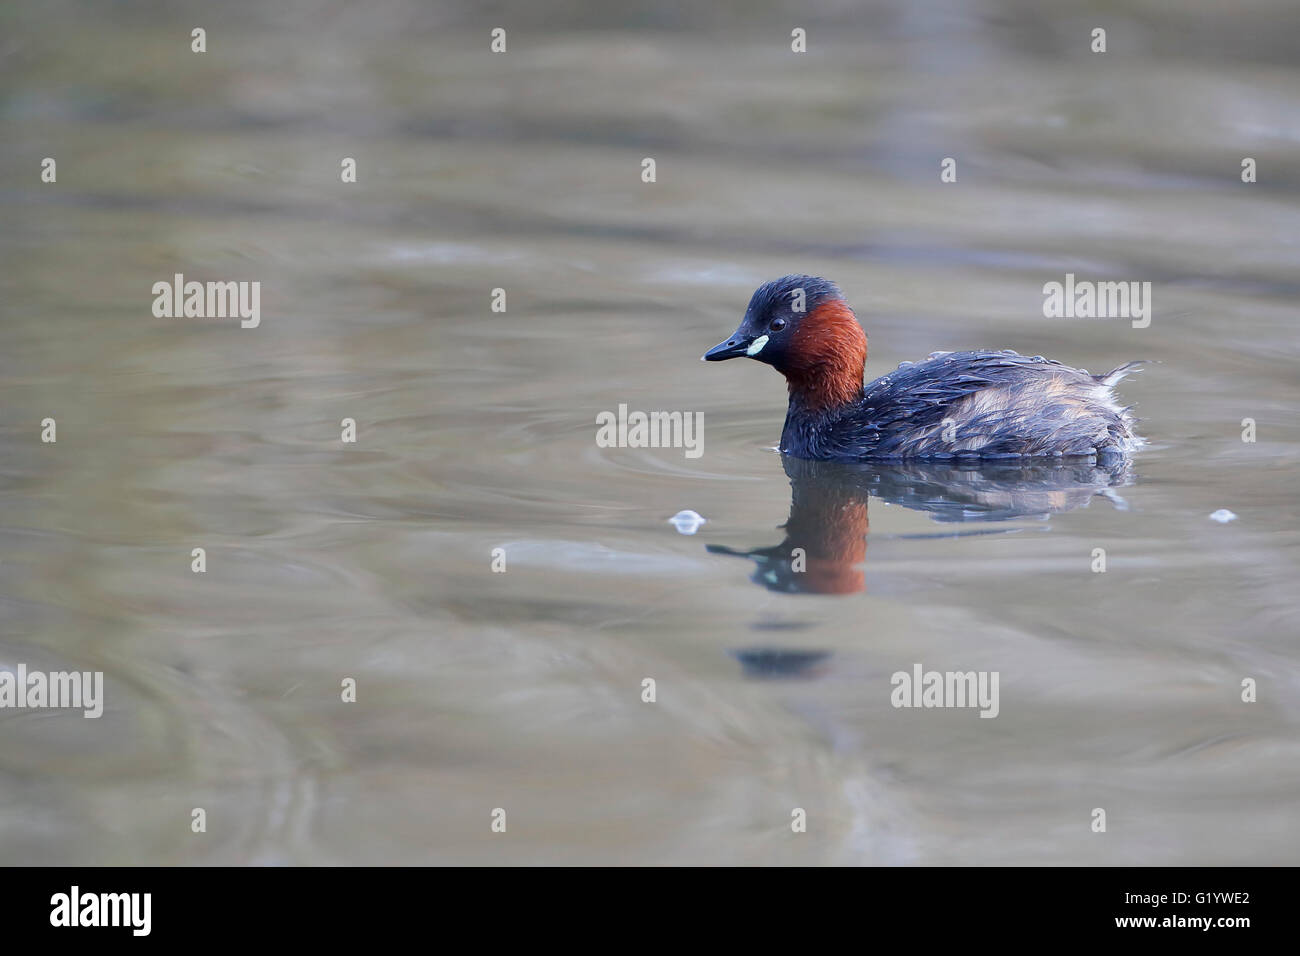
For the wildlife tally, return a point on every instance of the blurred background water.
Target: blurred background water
(476, 430)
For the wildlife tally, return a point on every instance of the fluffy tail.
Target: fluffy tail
(1112, 377)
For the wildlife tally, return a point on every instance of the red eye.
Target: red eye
(778, 325)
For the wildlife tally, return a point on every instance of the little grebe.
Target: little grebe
(951, 405)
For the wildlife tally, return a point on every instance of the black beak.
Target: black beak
(734, 347)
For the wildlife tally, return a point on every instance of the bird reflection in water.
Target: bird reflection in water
(826, 534)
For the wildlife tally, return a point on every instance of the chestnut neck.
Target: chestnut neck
(828, 353)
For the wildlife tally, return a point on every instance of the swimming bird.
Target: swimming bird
(975, 404)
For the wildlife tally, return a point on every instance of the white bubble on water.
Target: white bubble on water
(1223, 516)
(687, 522)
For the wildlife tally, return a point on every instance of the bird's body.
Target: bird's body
(968, 404)
(978, 404)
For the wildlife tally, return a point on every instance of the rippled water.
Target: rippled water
(476, 431)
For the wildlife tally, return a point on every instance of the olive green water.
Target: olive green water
(476, 430)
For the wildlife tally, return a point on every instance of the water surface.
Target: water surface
(476, 431)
